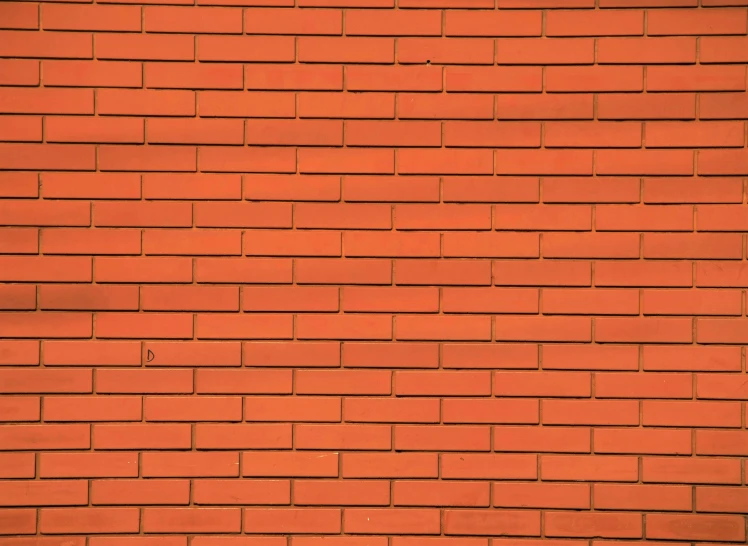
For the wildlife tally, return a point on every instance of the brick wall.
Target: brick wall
(430, 273)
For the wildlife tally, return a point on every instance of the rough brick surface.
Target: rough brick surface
(373, 272)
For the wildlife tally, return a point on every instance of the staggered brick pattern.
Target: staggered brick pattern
(367, 273)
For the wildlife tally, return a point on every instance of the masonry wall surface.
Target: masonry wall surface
(367, 273)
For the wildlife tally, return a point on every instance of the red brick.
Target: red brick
(349, 271)
(477, 134)
(246, 48)
(686, 22)
(643, 330)
(696, 78)
(591, 412)
(286, 132)
(24, 72)
(304, 409)
(25, 408)
(158, 75)
(441, 272)
(190, 464)
(390, 465)
(49, 157)
(391, 410)
(721, 499)
(541, 495)
(642, 440)
(492, 466)
(588, 468)
(636, 385)
(599, 134)
(43, 493)
(19, 15)
(442, 383)
(622, 106)
(194, 131)
(392, 133)
(285, 77)
(191, 520)
(17, 465)
(292, 520)
(576, 106)
(544, 384)
(91, 353)
(428, 438)
(348, 437)
(252, 436)
(490, 300)
(421, 493)
(83, 17)
(21, 128)
(45, 269)
(690, 358)
(414, 327)
(51, 45)
(603, 79)
(642, 497)
(243, 326)
(482, 189)
(445, 51)
(391, 244)
(541, 273)
(477, 23)
(210, 491)
(695, 527)
(124, 492)
(204, 408)
(392, 521)
(600, 301)
(646, 50)
(19, 184)
(722, 105)
(396, 355)
(346, 160)
(194, 353)
(393, 78)
(91, 185)
(17, 297)
(433, 161)
(141, 436)
(667, 470)
(88, 465)
(289, 464)
(42, 380)
(544, 439)
(595, 23)
(243, 381)
(145, 47)
(109, 408)
(690, 414)
(237, 104)
(89, 520)
(442, 106)
(599, 524)
(522, 411)
(393, 23)
(343, 382)
(69, 73)
(525, 162)
(281, 21)
(504, 522)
